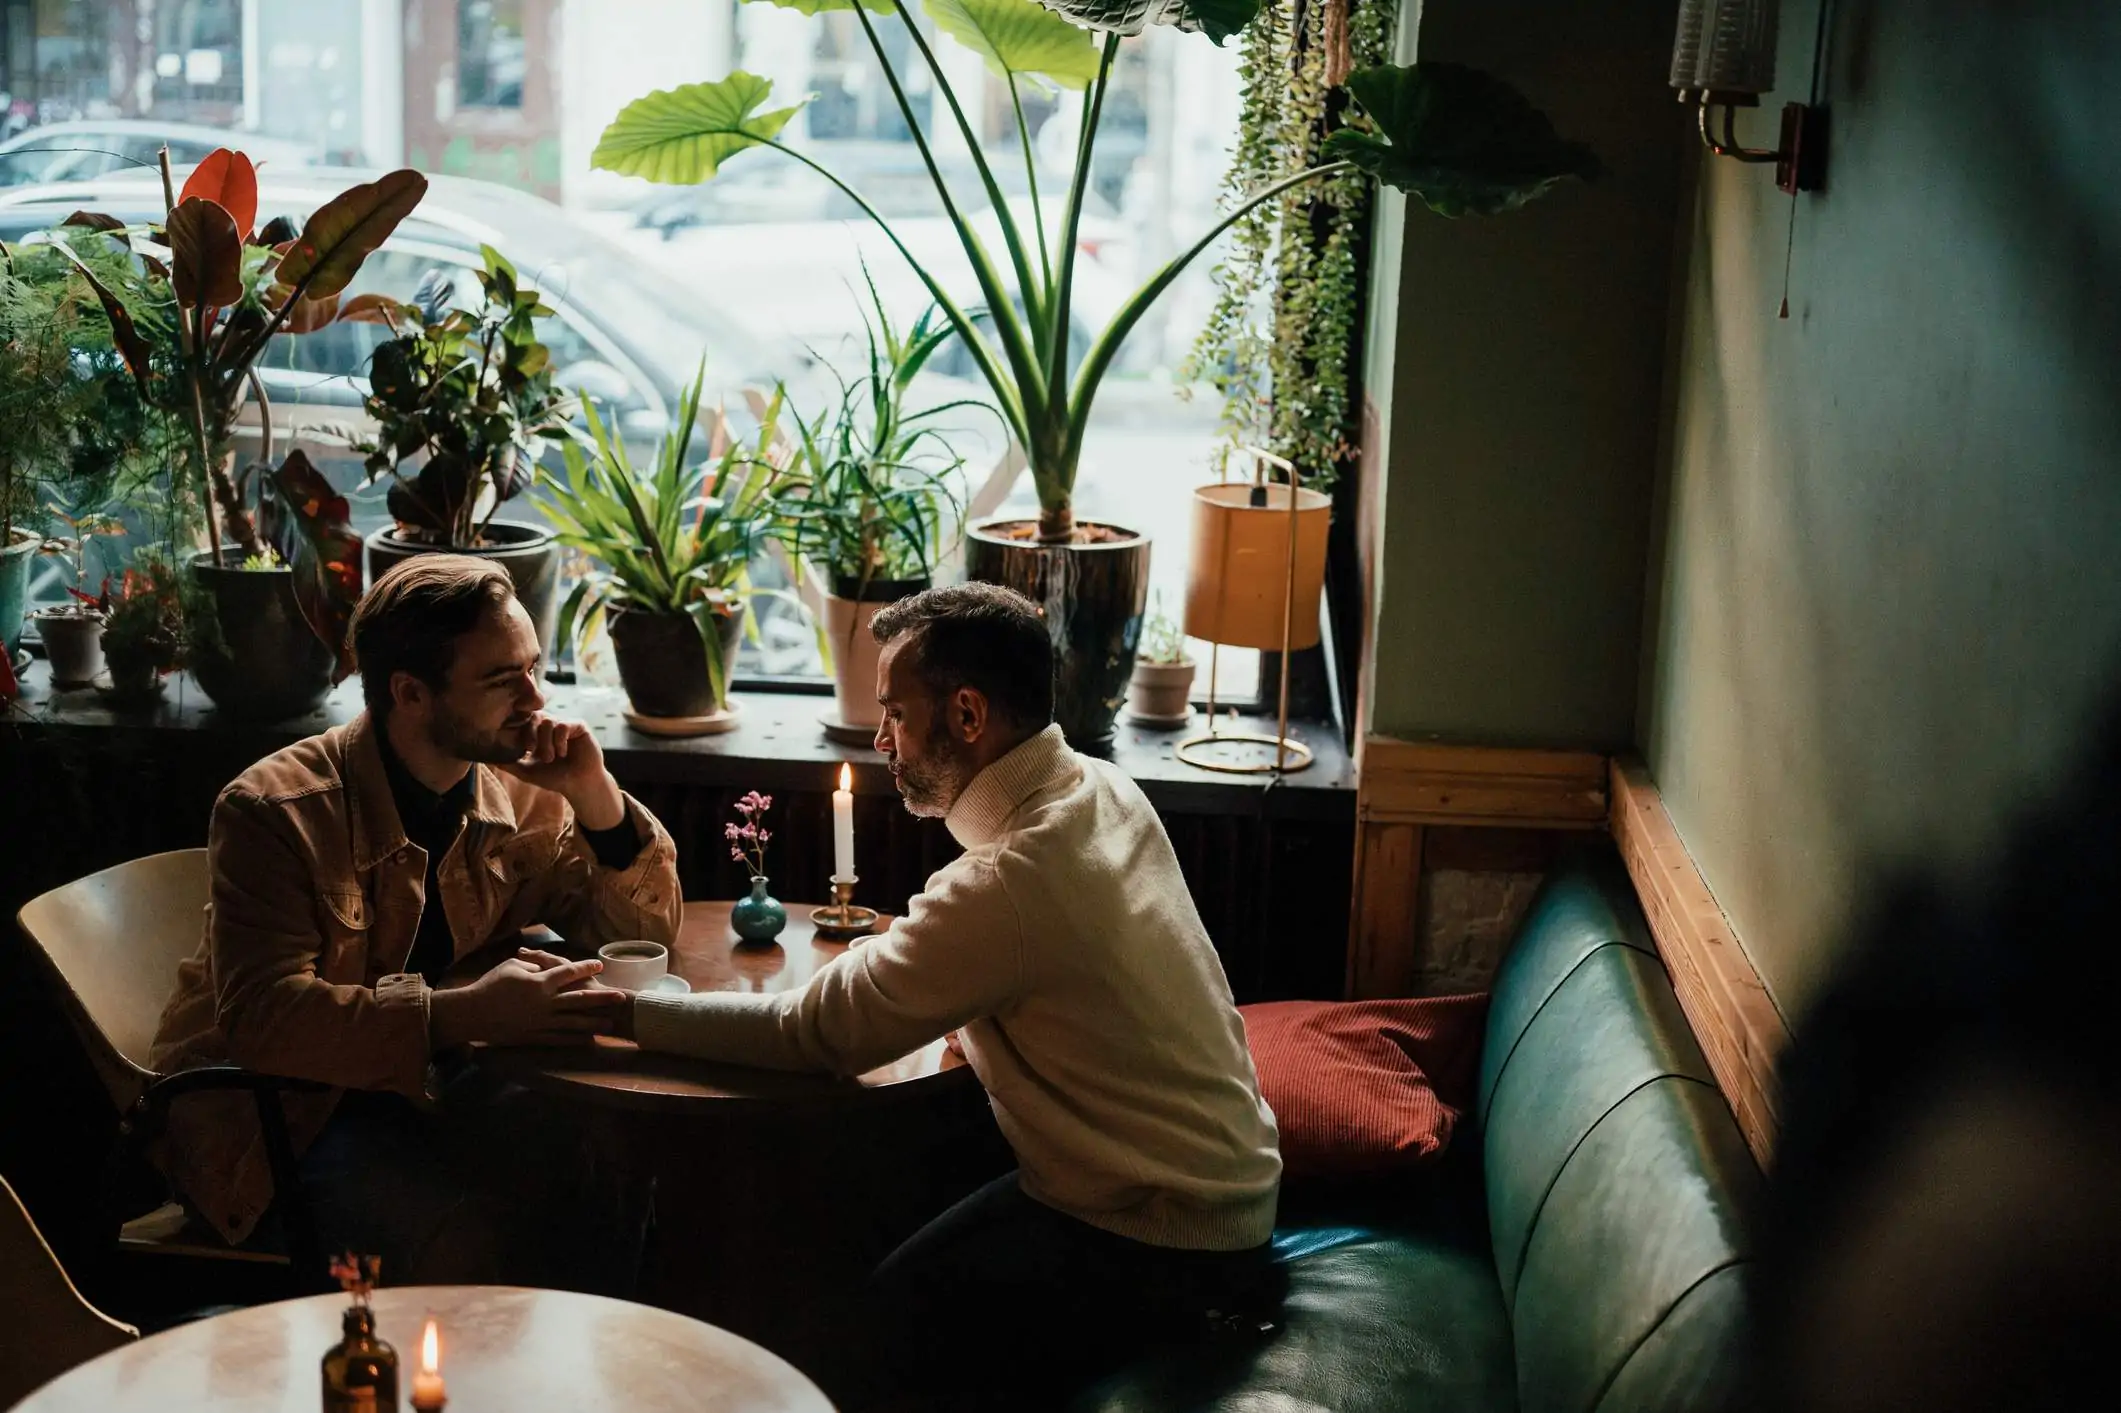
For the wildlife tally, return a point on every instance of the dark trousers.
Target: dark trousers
(497, 1185)
(1003, 1302)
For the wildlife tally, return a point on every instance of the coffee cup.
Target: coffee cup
(633, 966)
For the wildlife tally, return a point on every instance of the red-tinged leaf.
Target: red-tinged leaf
(229, 180)
(206, 254)
(305, 519)
(344, 231)
(310, 315)
(93, 221)
(124, 333)
(375, 309)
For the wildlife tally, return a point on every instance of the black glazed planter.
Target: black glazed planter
(663, 664)
(1092, 594)
(264, 663)
(526, 552)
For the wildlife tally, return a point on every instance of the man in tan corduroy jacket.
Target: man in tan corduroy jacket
(350, 872)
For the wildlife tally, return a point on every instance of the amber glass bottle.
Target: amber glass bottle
(360, 1371)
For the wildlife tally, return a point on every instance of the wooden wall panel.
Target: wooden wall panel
(1404, 786)
(1732, 1015)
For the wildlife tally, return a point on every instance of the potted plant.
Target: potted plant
(1459, 140)
(72, 631)
(143, 627)
(74, 429)
(873, 505)
(462, 400)
(674, 550)
(191, 310)
(1160, 693)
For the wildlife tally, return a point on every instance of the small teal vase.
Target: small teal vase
(760, 917)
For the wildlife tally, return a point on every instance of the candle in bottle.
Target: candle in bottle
(428, 1393)
(843, 825)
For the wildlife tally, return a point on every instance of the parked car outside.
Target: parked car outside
(88, 148)
(787, 249)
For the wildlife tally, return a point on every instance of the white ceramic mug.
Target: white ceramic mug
(633, 966)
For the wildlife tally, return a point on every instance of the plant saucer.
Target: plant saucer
(844, 732)
(710, 724)
(1157, 721)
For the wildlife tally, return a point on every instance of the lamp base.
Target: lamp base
(1283, 753)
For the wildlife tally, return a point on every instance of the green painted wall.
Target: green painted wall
(1890, 577)
(1525, 361)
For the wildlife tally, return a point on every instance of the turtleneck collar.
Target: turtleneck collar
(981, 814)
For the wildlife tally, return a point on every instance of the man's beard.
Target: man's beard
(931, 786)
(452, 735)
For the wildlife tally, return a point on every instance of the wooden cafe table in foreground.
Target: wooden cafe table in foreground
(502, 1347)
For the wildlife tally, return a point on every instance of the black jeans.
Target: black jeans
(497, 1185)
(1003, 1302)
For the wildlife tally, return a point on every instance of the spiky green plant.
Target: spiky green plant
(677, 539)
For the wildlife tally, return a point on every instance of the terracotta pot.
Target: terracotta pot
(848, 609)
(15, 560)
(267, 664)
(663, 664)
(526, 552)
(1160, 689)
(1093, 594)
(73, 643)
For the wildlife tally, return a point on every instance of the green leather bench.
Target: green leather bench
(1582, 1250)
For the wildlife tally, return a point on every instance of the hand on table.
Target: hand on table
(533, 998)
(564, 757)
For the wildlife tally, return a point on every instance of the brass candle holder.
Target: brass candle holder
(843, 918)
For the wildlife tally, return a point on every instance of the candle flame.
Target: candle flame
(847, 777)
(431, 1349)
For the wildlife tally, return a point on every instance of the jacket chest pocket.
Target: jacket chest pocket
(348, 920)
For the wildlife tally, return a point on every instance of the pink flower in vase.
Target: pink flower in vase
(747, 841)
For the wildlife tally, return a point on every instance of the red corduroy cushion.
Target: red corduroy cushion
(1365, 1087)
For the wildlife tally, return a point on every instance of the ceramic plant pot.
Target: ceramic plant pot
(263, 663)
(1092, 594)
(759, 918)
(848, 610)
(1160, 691)
(528, 553)
(663, 664)
(73, 643)
(15, 560)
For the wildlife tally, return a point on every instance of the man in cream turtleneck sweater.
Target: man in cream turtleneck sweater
(1065, 951)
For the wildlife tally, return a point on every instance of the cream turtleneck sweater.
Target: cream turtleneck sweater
(1065, 949)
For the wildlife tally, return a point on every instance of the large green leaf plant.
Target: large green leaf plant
(1458, 140)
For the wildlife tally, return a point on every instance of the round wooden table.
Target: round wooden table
(502, 1347)
(710, 958)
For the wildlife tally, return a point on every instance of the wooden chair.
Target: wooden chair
(49, 1327)
(112, 942)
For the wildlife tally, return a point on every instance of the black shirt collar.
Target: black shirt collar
(427, 816)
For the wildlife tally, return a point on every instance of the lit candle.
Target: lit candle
(428, 1394)
(843, 825)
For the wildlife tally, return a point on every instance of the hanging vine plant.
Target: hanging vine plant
(1279, 344)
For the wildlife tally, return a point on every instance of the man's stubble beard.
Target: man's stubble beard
(449, 733)
(932, 787)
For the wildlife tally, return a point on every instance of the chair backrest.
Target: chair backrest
(49, 1327)
(1618, 1184)
(113, 941)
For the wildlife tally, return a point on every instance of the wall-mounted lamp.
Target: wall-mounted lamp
(1724, 57)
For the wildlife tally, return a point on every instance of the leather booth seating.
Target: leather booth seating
(1583, 1247)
